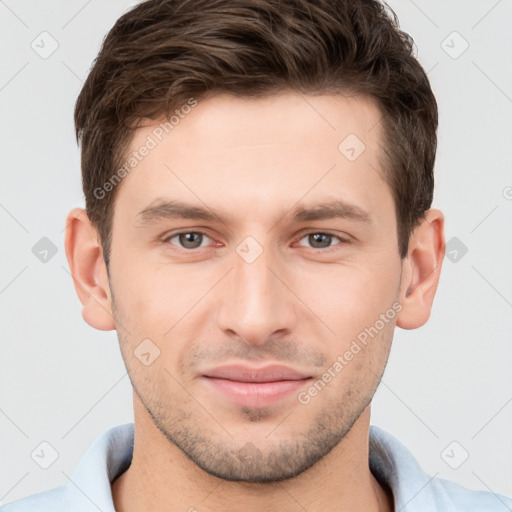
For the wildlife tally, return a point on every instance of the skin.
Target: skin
(299, 303)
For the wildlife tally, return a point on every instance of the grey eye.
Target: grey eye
(320, 240)
(189, 240)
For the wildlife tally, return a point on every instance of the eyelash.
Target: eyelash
(342, 241)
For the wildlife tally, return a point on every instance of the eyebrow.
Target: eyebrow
(168, 209)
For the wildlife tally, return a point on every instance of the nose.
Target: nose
(256, 303)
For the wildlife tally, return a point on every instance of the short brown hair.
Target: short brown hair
(163, 52)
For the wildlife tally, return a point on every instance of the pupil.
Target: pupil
(317, 237)
(187, 240)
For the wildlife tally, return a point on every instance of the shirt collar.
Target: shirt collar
(111, 454)
(393, 465)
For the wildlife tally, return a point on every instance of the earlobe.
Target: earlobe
(85, 258)
(421, 271)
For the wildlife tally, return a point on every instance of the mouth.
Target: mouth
(255, 387)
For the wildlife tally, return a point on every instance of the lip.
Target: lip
(255, 387)
(269, 373)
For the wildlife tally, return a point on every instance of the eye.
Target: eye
(320, 240)
(188, 239)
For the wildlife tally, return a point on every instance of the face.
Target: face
(255, 275)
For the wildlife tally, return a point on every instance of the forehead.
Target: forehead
(259, 153)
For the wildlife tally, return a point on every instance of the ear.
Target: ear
(421, 270)
(85, 258)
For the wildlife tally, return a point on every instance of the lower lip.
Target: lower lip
(255, 394)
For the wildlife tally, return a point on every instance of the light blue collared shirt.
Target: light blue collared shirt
(110, 455)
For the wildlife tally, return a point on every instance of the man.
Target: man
(223, 145)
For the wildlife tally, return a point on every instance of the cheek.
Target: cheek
(155, 297)
(165, 305)
(350, 297)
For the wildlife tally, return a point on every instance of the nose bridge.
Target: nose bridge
(255, 304)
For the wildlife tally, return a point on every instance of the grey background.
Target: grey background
(63, 382)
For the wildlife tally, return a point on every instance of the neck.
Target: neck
(161, 477)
